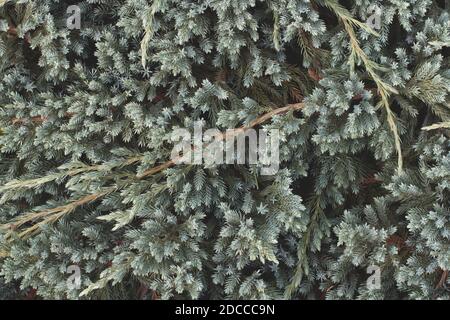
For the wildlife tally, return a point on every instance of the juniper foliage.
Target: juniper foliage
(87, 117)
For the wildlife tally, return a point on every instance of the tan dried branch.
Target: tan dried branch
(54, 214)
(51, 215)
(384, 89)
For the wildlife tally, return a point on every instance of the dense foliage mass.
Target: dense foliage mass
(87, 117)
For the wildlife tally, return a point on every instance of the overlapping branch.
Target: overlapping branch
(38, 219)
(384, 89)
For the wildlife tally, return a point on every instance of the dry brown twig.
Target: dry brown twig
(37, 119)
(51, 215)
(230, 134)
(54, 214)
